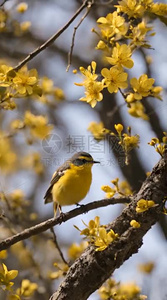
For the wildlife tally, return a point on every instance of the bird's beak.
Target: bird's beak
(96, 162)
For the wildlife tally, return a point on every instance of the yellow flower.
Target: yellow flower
(17, 124)
(120, 291)
(138, 35)
(89, 74)
(75, 250)
(93, 88)
(24, 26)
(37, 124)
(132, 8)
(143, 205)
(17, 199)
(129, 290)
(27, 288)
(33, 162)
(58, 93)
(104, 238)
(159, 146)
(155, 92)
(5, 78)
(6, 276)
(62, 270)
(112, 24)
(107, 289)
(93, 93)
(92, 227)
(25, 80)
(130, 142)
(147, 267)
(125, 188)
(135, 224)
(22, 7)
(102, 46)
(159, 9)
(154, 141)
(23, 255)
(115, 78)
(3, 254)
(98, 130)
(142, 86)
(110, 192)
(121, 56)
(3, 19)
(119, 128)
(7, 156)
(14, 297)
(137, 110)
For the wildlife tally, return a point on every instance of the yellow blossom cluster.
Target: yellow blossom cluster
(25, 83)
(27, 288)
(138, 35)
(98, 235)
(120, 291)
(17, 84)
(6, 277)
(143, 205)
(17, 201)
(37, 125)
(93, 87)
(33, 161)
(111, 25)
(160, 146)
(137, 110)
(98, 131)
(122, 189)
(8, 157)
(114, 29)
(74, 251)
(126, 140)
(10, 24)
(62, 270)
(143, 87)
(50, 93)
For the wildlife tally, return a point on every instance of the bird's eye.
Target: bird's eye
(84, 160)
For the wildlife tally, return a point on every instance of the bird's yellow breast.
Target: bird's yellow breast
(73, 186)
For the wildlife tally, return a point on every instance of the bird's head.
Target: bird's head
(83, 159)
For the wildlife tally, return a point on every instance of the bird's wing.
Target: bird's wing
(56, 176)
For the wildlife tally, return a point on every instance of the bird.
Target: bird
(71, 181)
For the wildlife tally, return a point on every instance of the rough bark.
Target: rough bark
(91, 270)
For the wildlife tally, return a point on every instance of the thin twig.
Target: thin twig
(41, 227)
(73, 37)
(3, 3)
(123, 95)
(53, 37)
(57, 246)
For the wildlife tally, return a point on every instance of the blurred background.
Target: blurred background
(70, 119)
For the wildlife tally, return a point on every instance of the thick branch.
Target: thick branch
(91, 270)
(55, 221)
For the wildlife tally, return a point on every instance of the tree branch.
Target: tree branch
(73, 37)
(86, 3)
(41, 227)
(92, 269)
